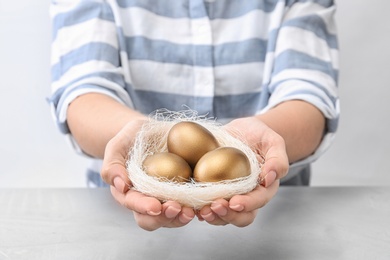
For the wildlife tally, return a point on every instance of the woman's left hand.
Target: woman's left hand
(270, 149)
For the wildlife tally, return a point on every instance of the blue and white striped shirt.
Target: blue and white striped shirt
(223, 58)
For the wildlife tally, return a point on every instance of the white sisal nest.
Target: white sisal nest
(153, 139)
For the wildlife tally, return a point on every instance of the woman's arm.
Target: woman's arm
(94, 119)
(300, 124)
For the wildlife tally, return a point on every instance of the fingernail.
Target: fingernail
(119, 184)
(200, 218)
(184, 218)
(153, 213)
(269, 179)
(209, 217)
(219, 209)
(237, 207)
(171, 212)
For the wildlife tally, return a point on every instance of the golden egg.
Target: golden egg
(224, 163)
(167, 165)
(190, 141)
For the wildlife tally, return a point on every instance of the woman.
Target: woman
(265, 68)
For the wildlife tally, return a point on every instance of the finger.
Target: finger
(116, 176)
(275, 164)
(241, 210)
(186, 215)
(118, 196)
(171, 209)
(115, 155)
(151, 223)
(142, 203)
(227, 215)
(170, 218)
(273, 169)
(146, 222)
(219, 214)
(113, 170)
(145, 205)
(146, 215)
(241, 219)
(206, 214)
(176, 215)
(255, 199)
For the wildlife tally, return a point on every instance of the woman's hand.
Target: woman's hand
(149, 213)
(270, 148)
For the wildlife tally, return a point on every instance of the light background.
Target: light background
(34, 154)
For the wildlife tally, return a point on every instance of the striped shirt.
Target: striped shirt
(222, 58)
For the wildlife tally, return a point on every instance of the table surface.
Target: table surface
(299, 223)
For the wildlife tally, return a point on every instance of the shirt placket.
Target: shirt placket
(203, 71)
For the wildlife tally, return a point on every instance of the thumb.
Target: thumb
(275, 167)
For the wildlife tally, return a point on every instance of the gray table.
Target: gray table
(299, 223)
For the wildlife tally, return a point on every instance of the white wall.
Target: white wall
(34, 154)
(361, 153)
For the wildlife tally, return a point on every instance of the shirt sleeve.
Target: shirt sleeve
(85, 56)
(305, 63)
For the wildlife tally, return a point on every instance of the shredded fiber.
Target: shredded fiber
(153, 139)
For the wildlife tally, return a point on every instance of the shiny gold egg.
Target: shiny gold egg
(190, 141)
(167, 165)
(224, 163)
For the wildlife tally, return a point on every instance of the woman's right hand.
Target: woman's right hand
(150, 214)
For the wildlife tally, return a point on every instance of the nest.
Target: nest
(153, 139)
